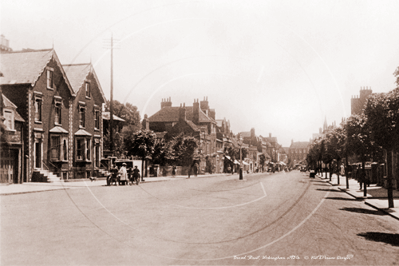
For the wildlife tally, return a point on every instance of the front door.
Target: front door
(38, 154)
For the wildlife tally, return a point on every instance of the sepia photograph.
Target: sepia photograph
(199, 132)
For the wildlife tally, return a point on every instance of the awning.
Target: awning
(228, 157)
(236, 162)
(245, 163)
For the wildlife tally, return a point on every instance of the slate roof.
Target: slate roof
(82, 132)
(107, 116)
(25, 67)
(299, 145)
(77, 74)
(171, 114)
(58, 129)
(192, 125)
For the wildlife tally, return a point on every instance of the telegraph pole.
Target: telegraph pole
(111, 106)
(111, 113)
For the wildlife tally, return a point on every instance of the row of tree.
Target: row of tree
(367, 137)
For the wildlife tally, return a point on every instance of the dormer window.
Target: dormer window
(87, 88)
(50, 79)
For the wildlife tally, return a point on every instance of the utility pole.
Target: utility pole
(111, 113)
(111, 106)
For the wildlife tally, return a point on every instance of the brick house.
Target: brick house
(11, 142)
(35, 81)
(197, 121)
(86, 131)
(298, 151)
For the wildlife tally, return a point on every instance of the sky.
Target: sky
(281, 67)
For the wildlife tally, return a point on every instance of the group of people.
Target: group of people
(125, 176)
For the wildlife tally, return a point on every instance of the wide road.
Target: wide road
(266, 219)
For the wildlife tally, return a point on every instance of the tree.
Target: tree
(360, 142)
(127, 112)
(184, 148)
(117, 141)
(262, 160)
(142, 144)
(163, 153)
(382, 112)
(396, 74)
(335, 145)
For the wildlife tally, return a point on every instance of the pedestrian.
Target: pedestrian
(174, 171)
(136, 174)
(228, 169)
(342, 170)
(123, 174)
(196, 168)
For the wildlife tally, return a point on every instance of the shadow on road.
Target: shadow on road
(366, 211)
(330, 190)
(392, 239)
(338, 198)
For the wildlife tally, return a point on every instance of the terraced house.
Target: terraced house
(87, 127)
(35, 81)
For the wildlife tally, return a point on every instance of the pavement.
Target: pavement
(32, 187)
(377, 196)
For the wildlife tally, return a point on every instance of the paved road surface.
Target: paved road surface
(278, 219)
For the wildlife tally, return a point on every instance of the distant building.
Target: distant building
(197, 121)
(298, 152)
(358, 102)
(4, 44)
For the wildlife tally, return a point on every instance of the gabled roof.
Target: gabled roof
(77, 73)
(171, 114)
(25, 67)
(192, 125)
(8, 104)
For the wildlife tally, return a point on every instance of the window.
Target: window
(88, 150)
(80, 146)
(50, 82)
(38, 109)
(58, 148)
(57, 114)
(96, 119)
(97, 154)
(83, 149)
(55, 148)
(65, 149)
(82, 115)
(9, 122)
(87, 87)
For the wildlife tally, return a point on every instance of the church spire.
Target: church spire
(325, 124)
